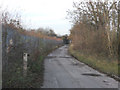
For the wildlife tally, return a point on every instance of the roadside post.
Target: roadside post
(25, 59)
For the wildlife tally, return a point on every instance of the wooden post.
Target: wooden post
(25, 64)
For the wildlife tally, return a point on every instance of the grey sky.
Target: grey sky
(42, 13)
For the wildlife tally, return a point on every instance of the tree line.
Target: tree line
(96, 27)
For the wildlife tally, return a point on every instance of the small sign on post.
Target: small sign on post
(25, 57)
(11, 42)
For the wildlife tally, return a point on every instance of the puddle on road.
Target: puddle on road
(77, 64)
(91, 74)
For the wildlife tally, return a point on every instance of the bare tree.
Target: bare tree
(101, 17)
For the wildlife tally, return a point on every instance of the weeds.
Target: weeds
(37, 48)
(103, 65)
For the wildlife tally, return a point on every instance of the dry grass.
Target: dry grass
(103, 65)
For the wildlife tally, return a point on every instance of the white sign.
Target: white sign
(11, 42)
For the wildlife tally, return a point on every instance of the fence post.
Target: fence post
(25, 57)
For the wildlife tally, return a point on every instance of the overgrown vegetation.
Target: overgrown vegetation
(17, 41)
(95, 34)
(102, 64)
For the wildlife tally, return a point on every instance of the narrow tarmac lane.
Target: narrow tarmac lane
(64, 71)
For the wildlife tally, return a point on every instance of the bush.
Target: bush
(35, 46)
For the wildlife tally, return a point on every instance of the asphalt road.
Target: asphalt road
(64, 71)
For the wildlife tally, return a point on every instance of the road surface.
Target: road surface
(64, 71)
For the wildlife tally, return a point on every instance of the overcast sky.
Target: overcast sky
(42, 13)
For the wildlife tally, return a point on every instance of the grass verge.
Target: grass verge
(35, 72)
(108, 67)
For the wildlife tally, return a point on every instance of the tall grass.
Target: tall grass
(102, 64)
